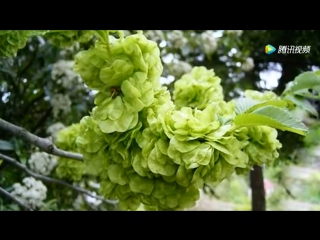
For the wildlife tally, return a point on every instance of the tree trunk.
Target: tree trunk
(258, 200)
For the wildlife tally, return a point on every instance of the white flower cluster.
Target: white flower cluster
(42, 162)
(63, 73)
(238, 33)
(177, 39)
(33, 192)
(53, 129)
(93, 201)
(60, 102)
(177, 68)
(248, 65)
(70, 50)
(209, 42)
(154, 35)
(81, 201)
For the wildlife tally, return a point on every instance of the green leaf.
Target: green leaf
(247, 105)
(37, 32)
(6, 146)
(243, 104)
(103, 35)
(302, 103)
(306, 84)
(13, 40)
(274, 117)
(275, 103)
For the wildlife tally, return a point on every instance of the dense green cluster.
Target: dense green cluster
(125, 72)
(197, 89)
(13, 40)
(260, 143)
(66, 140)
(260, 96)
(147, 149)
(66, 38)
(122, 140)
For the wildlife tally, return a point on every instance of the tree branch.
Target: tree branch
(29, 63)
(16, 200)
(52, 180)
(32, 102)
(42, 143)
(42, 119)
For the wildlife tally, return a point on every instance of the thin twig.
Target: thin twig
(16, 200)
(32, 102)
(42, 119)
(43, 144)
(52, 180)
(280, 181)
(289, 192)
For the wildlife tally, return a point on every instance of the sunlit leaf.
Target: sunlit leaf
(274, 117)
(247, 105)
(306, 85)
(302, 103)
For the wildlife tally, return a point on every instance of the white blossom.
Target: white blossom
(42, 162)
(248, 65)
(166, 80)
(33, 192)
(94, 184)
(154, 35)
(81, 201)
(53, 129)
(234, 32)
(93, 201)
(126, 32)
(177, 39)
(60, 102)
(70, 50)
(209, 42)
(178, 68)
(62, 72)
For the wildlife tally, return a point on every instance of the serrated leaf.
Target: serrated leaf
(306, 84)
(302, 103)
(274, 117)
(6, 146)
(275, 103)
(243, 104)
(247, 105)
